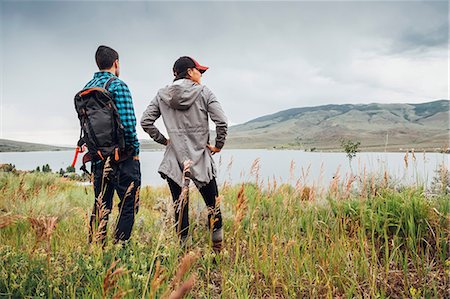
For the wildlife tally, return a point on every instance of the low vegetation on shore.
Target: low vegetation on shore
(359, 237)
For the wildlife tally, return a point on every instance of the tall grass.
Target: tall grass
(281, 241)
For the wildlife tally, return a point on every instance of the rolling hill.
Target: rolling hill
(377, 126)
(18, 146)
(392, 127)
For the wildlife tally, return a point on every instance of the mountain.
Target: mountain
(421, 126)
(401, 126)
(18, 146)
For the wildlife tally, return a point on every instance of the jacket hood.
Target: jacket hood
(181, 94)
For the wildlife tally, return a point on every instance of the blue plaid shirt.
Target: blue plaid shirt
(124, 104)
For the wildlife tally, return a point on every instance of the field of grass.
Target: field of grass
(372, 240)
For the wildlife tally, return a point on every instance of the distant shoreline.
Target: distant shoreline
(327, 150)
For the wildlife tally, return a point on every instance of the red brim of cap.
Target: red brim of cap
(201, 68)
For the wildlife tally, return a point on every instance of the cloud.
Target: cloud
(263, 56)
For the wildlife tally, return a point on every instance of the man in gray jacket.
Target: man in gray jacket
(185, 107)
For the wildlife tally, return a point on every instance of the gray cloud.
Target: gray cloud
(263, 56)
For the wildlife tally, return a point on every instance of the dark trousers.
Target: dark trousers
(209, 193)
(125, 179)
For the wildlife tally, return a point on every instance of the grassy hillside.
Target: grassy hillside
(370, 239)
(18, 146)
(377, 126)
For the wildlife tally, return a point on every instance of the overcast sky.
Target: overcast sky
(263, 56)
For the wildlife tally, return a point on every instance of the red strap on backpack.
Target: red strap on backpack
(77, 151)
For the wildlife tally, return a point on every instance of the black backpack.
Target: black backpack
(101, 128)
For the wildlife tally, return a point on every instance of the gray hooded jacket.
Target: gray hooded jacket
(185, 107)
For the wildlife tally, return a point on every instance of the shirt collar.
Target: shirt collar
(103, 74)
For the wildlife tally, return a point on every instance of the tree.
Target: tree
(38, 169)
(351, 148)
(70, 168)
(46, 168)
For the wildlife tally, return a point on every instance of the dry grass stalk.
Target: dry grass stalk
(254, 169)
(289, 245)
(351, 178)
(20, 192)
(321, 175)
(405, 158)
(241, 206)
(334, 185)
(373, 187)
(305, 174)
(99, 234)
(110, 280)
(298, 186)
(184, 266)
(157, 280)
(214, 212)
(364, 183)
(98, 231)
(386, 178)
(275, 185)
(225, 186)
(180, 205)
(269, 186)
(292, 171)
(8, 219)
(183, 199)
(43, 227)
(107, 169)
(184, 288)
(137, 197)
(443, 177)
(413, 155)
(307, 193)
(129, 190)
(230, 164)
(180, 289)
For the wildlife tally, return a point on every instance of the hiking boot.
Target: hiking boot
(217, 240)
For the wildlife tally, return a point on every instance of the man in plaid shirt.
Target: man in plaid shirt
(125, 178)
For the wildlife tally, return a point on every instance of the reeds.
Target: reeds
(8, 219)
(241, 207)
(43, 228)
(110, 280)
(367, 239)
(178, 288)
(158, 278)
(99, 222)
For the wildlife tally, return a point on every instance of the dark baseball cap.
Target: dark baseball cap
(184, 63)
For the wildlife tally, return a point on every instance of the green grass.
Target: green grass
(389, 243)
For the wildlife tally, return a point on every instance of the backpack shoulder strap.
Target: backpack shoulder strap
(108, 83)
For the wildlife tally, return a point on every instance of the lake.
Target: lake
(282, 165)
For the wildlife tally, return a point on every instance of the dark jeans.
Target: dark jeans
(209, 193)
(125, 178)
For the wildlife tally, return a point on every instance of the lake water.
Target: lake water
(282, 165)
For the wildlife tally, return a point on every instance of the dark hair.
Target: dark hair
(183, 75)
(181, 66)
(105, 57)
